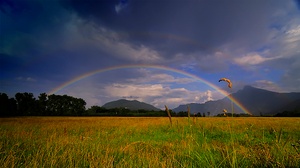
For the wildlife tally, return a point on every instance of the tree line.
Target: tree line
(25, 104)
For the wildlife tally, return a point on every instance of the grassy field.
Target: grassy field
(149, 142)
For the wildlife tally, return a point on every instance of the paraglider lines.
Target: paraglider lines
(230, 86)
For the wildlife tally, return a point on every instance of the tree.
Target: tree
(53, 105)
(65, 105)
(79, 106)
(12, 103)
(26, 104)
(208, 113)
(4, 104)
(42, 104)
(182, 114)
(93, 110)
(8, 106)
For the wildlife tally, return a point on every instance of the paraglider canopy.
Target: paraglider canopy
(226, 80)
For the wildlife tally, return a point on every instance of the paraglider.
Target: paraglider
(230, 86)
(226, 80)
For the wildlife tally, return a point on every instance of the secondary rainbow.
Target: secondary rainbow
(159, 67)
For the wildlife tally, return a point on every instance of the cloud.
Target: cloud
(130, 97)
(146, 76)
(251, 59)
(267, 85)
(293, 35)
(210, 25)
(214, 62)
(115, 44)
(27, 79)
(91, 29)
(291, 78)
(209, 95)
(291, 41)
(157, 94)
(126, 90)
(121, 6)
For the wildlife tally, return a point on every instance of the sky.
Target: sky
(162, 52)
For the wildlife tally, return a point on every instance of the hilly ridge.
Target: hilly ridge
(130, 104)
(257, 101)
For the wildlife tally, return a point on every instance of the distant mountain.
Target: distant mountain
(260, 101)
(257, 101)
(293, 106)
(130, 104)
(290, 110)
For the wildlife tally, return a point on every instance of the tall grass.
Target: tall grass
(169, 114)
(149, 142)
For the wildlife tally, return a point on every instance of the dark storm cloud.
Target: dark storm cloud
(39, 35)
(190, 30)
(30, 28)
(207, 24)
(206, 35)
(31, 16)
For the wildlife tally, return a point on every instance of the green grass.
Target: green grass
(149, 142)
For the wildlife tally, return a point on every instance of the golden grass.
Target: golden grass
(149, 142)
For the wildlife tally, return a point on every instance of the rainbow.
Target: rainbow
(159, 67)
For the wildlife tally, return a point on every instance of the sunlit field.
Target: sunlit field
(149, 142)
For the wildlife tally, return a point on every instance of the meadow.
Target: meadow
(149, 142)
